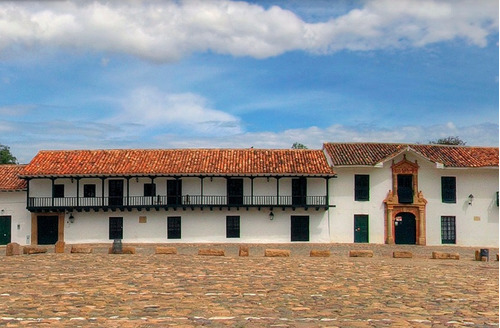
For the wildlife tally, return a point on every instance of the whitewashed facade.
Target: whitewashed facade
(315, 204)
(146, 221)
(471, 221)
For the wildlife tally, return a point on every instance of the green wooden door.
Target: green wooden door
(5, 226)
(360, 228)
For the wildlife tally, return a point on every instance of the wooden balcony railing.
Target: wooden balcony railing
(96, 203)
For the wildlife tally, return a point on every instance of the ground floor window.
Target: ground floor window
(448, 230)
(174, 227)
(232, 227)
(115, 228)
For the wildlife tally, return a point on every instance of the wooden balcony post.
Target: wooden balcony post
(102, 195)
(77, 192)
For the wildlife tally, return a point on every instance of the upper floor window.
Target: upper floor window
(174, 192)
(89, 190)
(235, 191)
(149, 189)
(299, 191)
(449, 189)
(361, 187)
(405, 188)
(58, 191)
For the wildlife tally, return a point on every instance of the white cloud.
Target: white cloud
(475, 135)
(150, 108)
(168, 30)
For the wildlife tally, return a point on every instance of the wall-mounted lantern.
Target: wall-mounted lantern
(71, 218)
(271, 216)
(471, 198)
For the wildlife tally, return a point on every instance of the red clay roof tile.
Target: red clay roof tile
(373, 153)
(9, 180)
(178, 162)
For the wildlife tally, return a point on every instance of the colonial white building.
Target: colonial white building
(203, 195)
(414, 194)
(15, 220)
(345, 193)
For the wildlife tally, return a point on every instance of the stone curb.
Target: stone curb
(34, 250)
(277, 253)
(402, 255)
(445, 256)
(360, 253)
(319, 253)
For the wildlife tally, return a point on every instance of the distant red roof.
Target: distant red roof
(9, 180)
(373, 153)
(202, 162)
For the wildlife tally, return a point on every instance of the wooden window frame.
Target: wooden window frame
(448, 230)
(174, 227)
(449, 189)
(233, 226)
(361, 187)
(89, 190)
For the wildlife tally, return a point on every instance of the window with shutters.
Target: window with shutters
(174, 227)
(449, 189)
(362, 187)
(232, 227)
(448, 230)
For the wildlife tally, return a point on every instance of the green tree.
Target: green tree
(451, 140)
(6, 156)
(298, 145)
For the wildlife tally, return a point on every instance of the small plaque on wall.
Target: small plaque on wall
(143, 219)
(477, 218)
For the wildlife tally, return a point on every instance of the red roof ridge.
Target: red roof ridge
(370, 154)
(190, 161)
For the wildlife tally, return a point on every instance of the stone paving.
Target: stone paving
(187, 290)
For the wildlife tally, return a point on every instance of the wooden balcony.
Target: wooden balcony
(55, 204)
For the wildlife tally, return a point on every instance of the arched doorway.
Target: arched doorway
(405, 228)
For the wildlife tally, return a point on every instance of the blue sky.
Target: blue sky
(190, 74)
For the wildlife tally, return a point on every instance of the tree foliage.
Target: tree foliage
(6, 156)
(451, 140)
(298, 145)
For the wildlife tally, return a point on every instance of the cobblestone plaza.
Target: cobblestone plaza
(185, 290)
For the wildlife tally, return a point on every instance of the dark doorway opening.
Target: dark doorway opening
(300, 228)
(115, 192)
(174, 192)
(48, 229)
(299, 191)
(235, 191)
(5, 226)
(405, 229)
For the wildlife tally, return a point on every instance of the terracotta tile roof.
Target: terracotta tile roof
(9, 180)
(372, 153)
(129, 162)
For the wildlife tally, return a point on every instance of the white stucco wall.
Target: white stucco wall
(13, 204)
(208, 225)
(196, 226)
(476, 224)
